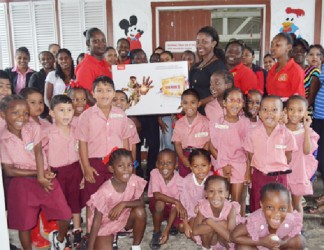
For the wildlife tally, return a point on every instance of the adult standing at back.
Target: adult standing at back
(211, 59)
(93, 64)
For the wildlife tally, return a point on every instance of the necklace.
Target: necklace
(208, 62)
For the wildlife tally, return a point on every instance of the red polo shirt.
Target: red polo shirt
(287, 82)
(244, 78)
(125, 62)
(89, 69)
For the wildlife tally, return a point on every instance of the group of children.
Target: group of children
(247, 143)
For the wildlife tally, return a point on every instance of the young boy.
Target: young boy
(191, 131)
(100, 128)
(164, 196)
(63, 157)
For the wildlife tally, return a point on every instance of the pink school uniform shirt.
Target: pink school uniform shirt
(194, 135)
(157, 184)
(61, 150)
(2, 125)
(303, 166)
(75, 121)
(134, 138)
(21, 78)
(257, 226)
(269, 152)
(228, 139)
(213, 110)
(20, 152)
(106, 198)
(102, 134)
(191, 192)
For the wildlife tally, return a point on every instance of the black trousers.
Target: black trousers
(318, 126)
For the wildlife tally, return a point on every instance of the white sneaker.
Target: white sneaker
(55, 244)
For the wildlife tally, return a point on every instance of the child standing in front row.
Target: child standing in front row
(303, 163)
(271, 226)
(33, 186)
(252, 107)
(269, 146)
(227, 135)
(190, 131)
(100, 128)
(5, 90)
(118, 204)
(79, 103)
(220, 80)
(216, 216)
(62, 142)
(164, 196)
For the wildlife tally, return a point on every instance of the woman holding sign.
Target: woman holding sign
(211, 59)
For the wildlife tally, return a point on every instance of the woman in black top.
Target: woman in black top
(211, 59)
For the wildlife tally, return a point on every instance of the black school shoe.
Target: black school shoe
(173, 231)
(155, 242)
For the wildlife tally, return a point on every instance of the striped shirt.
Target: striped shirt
(319, 100)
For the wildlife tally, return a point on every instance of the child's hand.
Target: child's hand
(182, 212)
(164, 237)
(46, 184)
(49, 175)
(269, 242)
(247, 177)
(186, 162)
(116, 211)
(283, 118)
(89, 174)
(227, 171)
(187, 231)
(307, 121)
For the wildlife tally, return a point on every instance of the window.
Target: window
(5, 60)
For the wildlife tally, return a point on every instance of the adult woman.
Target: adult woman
(212, 59)
(58, 81)
(20, 74)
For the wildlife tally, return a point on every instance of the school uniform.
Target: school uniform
(106, 198)
(25, 195)
(75, 121)
(134, 138)
(102, 135)
(269, 160)
(17, 79)
(191, 136)
(214, 111)
(244, 78)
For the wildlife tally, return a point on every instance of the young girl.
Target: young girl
(285, 78)
(315, 56)
(5, 90)
(33, 186)
(272, 226)
(252, 106)
(110, 55)
(269, 146)
(58, 81)
(268, 61)
(164, 196)
(303, 163)
(216, 216)
(227, 135)
(220, 80)
(193, 185)
(118, 204)
(121, 101)
(79, 103)
(190, 131)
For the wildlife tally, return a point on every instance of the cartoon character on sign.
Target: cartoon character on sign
(136, 90)
(289, 26)
(133, 34)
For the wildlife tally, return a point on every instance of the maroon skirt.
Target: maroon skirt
(183, 170)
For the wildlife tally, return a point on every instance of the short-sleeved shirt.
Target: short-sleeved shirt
(157, 184)
(214, 110)
(59, 86)
(89, 69)
(62, 149)
(244, 78)
(106, 198)
(102, 134)
(269, 152)
(194, 135)
(134, 138)
(20, 152)
(286, 82)
(37, 80)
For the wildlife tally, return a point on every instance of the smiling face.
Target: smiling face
(79, 101)
(120, 101)
(296, 111)
(268, 62)
(299, 54)
(47, 60)
(97, 44)
(314, 57)
(218, 85)
(22, 60)
(253, 104)
(275, 206)
(166, 164)
(200, 167)
(234, 103)
(205, 44)
(233, 55)
(5, 88)
(270, 112)
(16, 116)
(111, 56)
(123, 48)
(62, 113)
(216, 194)
(122, 168)
(36, 104)
(64, 60)
(279, 47)
(190, 105)
(104, 94)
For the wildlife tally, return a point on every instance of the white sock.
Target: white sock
(138, 247)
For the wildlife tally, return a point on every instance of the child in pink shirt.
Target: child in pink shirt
(227, 136)
(118, 204)
(216, 216)
(220, 80)
(100, 128)
(269, 146)
(303, 163)
(121, 101)
(271, 226)
(5, 90)
(79, 102)
(33, 186)
(63, 157)
(252, 107)
(192, 189)
(190, 131)
(164, 194)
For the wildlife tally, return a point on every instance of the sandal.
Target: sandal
(320, 200)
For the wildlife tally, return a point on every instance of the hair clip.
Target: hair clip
(106, 159)
(74, 84)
